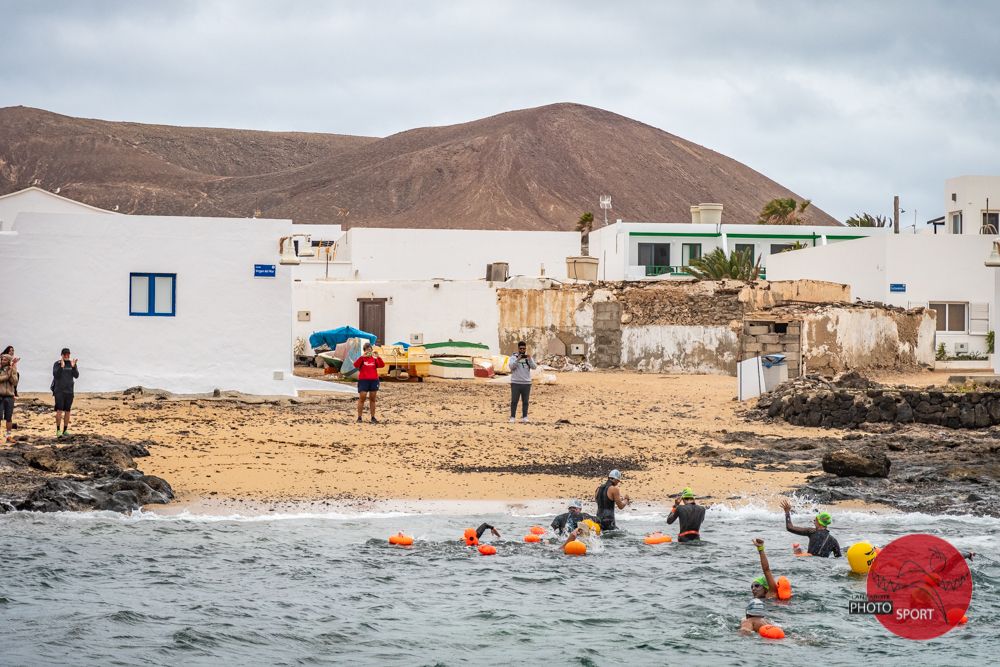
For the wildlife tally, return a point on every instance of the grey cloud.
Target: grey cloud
(846, 103)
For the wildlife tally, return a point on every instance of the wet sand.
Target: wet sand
(434, 436)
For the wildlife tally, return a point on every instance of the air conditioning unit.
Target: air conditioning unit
(961, 348)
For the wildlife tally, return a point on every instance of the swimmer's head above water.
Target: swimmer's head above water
(758, 587)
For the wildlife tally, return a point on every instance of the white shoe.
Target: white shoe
(524, 420)
(511, 420)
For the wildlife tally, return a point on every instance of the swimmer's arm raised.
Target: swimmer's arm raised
(483, 528)
(765, 566)
(789, 526)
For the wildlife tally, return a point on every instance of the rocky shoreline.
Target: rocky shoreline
(78, 473)
(951, 466)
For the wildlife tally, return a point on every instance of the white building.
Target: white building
(369, 254)
(654, 250)
(183, 304)
(37, 200)
(971, 205)
(944, 272)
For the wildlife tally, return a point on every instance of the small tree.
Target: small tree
(716, 265)
(585, 225)
(783, 212)
(867, 220)
(798, 245)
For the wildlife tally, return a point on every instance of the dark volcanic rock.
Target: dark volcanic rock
(856, 462)
(86, 473)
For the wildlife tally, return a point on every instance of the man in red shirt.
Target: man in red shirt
(368, 365)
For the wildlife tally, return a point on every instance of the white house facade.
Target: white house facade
(971, 206)
(945, 272)
(657, 251)
(178, 303)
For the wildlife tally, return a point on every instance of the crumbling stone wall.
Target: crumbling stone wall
(690, 327)
(844, 408)
(782, 336)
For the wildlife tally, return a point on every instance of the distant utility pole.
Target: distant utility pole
(895, 214)
(606, 204)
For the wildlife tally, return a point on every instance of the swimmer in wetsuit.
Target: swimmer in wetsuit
(472, 536)
(691, 515)
(569, 520)
(761, 588)
(821, 542)
(609, 496)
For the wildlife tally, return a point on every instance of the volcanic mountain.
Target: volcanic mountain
(530, 169)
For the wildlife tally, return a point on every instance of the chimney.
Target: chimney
(695, 215)
(710, 214)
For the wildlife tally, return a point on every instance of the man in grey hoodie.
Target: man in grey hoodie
(521, 365)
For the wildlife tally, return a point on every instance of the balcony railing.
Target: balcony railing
(653, 271)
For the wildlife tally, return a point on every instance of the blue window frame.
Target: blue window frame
(152, 294)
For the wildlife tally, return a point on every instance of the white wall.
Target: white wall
(456, 310)
(970, 195)
(455, 254)
(67, 284)
(38, 201)
(610, 246)
(933, 268)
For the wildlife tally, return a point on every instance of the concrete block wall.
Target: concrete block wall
(762, 336)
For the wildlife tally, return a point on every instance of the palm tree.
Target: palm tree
(584, 225)
(783, 212)
(867, 220)
(739, 265)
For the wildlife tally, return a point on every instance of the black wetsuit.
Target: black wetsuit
(482, 529)
(821, 542)
(691, 516)
(567, 522)
(605, 507)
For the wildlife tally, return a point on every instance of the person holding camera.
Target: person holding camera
(368, 365)
(64, 375)
(8, 388)
(521, 365)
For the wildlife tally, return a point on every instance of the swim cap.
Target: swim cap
(824, 518)
(615, 474)
(755, 607)
(687, 492)
(576, 504)
(762, 580)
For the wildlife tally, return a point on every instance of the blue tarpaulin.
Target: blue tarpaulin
(335, 337)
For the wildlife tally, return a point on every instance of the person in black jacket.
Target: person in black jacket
(64, 373)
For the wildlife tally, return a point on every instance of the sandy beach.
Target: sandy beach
(439, 440)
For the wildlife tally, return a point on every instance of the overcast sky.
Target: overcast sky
(846, 103)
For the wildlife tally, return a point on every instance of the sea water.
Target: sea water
(316, 589)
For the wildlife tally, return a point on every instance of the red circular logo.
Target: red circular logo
(928, 583)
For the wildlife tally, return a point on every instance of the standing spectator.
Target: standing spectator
(64, 372)
(8, 388)
(368, 365)
(521, 365)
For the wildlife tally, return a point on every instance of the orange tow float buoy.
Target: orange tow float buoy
(771, 632)
(537, 530)
(957, 617)
(531, 537)
(401, 540)
(575, 548)
(488, 550)
(657, 538)
(784, 590)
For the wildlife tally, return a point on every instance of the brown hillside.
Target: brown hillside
(530, 169)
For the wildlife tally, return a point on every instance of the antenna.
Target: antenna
(606, 205)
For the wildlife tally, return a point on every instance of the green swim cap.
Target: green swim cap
(687, 492)
(762, 580)
(824, 518)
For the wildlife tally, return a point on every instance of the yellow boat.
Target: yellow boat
(415, 361)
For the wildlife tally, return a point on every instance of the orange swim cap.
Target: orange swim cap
(470, 537)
